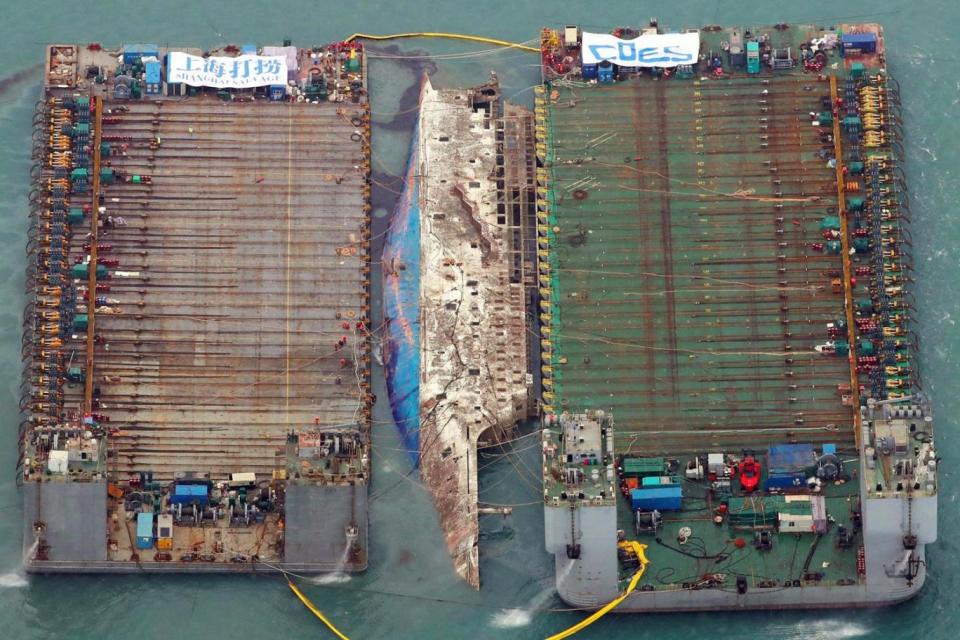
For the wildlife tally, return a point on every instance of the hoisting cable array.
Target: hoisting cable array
(61, 174)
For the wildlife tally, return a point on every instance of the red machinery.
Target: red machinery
(749, 474)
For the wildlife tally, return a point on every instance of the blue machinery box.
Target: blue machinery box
(188, 493)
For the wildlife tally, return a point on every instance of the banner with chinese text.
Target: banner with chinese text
(234, 73)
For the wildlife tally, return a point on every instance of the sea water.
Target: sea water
(410, 590)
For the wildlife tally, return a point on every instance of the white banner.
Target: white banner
(660, 50)
(234, 73)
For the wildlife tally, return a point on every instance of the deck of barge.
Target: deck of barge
(246, 257)
(685, 296)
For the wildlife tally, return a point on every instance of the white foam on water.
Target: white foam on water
(331, 578)
(337, 576)
(13, 580)
(849, 631)
(511, 618)
(521, 617)
(824, 630)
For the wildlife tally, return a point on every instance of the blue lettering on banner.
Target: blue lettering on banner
(649, 54)
(678, 56)
(235, 71)
(595, 49)
(650, 50)
(626, 53)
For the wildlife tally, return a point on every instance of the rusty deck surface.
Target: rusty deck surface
(685, 294)
(246, 272)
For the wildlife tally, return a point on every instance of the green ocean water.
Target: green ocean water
(410, 590)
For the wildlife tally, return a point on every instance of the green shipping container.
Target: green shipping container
(75, 374)
(80, 322)
(641, 467)
(75, 216)
(81, 271)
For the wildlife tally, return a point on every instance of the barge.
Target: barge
(732, 409)
(196, 348)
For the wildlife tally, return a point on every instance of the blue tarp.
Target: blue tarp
(133, 52)
(789, 458)
(400, 265)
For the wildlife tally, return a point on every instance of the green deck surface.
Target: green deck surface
(713, 549)
(675, 302)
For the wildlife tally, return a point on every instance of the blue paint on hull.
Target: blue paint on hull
(400, 265)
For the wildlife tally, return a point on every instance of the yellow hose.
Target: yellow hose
(583, 624)
(309, 605)
(451, 36)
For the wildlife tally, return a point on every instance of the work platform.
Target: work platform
(247, 313)
(731, 416)
(686, 299)
(204, 391)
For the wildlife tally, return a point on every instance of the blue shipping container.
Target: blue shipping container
(785, 480)
(248, 50)
(861, 42)
(662, 498)
(189, 493)
(589, 72)
(144, 530)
